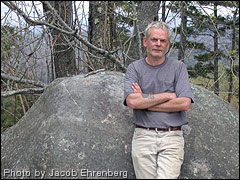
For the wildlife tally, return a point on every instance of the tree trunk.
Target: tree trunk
(148, 13)
(102, 31)
(216, 53)
(183, 32)
(63, 52)
(112, 25)
(230, 90)
(95, 29)
(163, 11)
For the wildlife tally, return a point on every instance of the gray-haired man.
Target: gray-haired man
(157, 88)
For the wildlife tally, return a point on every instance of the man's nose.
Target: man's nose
(158, 43)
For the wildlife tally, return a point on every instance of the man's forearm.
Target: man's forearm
(144, 101)
(173, 105)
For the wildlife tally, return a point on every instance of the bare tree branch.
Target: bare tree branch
(69, 31)
(9, 77)
(22, 91)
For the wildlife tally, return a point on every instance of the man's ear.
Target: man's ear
(169, 45)
(144, 41)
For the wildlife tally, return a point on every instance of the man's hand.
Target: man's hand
(136, 88)
(139, 100)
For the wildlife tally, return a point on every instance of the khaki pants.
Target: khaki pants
(157, 155)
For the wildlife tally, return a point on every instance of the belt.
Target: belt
(162, 129)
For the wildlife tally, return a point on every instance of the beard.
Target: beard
(156, 55)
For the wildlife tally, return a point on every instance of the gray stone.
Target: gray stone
(212, 146)
(79, 127)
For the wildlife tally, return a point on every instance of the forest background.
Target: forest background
(42, 41)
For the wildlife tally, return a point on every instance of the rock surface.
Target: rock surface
(212, 147)
(79, 128)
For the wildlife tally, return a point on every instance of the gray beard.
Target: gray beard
(156, 56)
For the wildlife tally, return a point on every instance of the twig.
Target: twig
(94, 72)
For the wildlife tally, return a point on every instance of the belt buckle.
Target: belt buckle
(168, 129)
(156, 129)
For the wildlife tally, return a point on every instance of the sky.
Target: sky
(84, 5)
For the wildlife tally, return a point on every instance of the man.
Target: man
(157, 88)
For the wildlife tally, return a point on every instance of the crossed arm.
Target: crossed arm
(162, 102)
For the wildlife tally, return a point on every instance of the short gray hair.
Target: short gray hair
(158, 24)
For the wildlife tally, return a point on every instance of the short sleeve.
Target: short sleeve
(182, 84)
(130, 77)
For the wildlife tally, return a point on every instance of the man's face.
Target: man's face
(157, 43)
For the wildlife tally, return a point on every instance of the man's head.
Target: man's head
(157, 39)
(158, 24)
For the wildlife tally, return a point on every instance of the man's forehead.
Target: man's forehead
(158, 29)
(158, 36)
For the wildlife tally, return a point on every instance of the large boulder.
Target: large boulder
(212, 138)
(79, 128)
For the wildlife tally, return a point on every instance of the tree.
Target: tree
(101, 31)
(233, 52)
(218, 27)
(183, 32)
(186, 30)
(148, 12)
(163, 11)
(216, 50)
(64, 53)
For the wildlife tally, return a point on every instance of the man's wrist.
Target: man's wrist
(170, 95)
